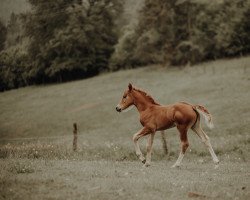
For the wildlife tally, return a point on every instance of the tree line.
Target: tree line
(185, 32)
(63, 40)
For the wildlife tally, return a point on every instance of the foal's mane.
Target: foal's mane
(149, 97)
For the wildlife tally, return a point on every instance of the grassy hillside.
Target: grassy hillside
(49, 111)
(36, 154)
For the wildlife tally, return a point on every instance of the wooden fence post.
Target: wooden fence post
(75, 137)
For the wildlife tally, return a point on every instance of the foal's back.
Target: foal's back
(173, 115)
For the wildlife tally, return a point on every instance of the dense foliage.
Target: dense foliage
(67, 39)
(185, 32)
(3, 32)
(63, 40)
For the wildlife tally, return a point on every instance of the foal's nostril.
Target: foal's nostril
(118, 109)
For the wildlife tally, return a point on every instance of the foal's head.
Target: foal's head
(127, 99)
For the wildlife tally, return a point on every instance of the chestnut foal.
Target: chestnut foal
(155, 117)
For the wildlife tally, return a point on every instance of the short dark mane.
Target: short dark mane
(149, 97)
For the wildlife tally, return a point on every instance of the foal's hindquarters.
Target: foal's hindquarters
(185, 121)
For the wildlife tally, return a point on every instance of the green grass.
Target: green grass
(122, 180)
(36, 136)
(39, 112)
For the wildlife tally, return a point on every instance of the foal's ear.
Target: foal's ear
(130, 87)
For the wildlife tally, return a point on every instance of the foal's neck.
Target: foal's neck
(140, 102)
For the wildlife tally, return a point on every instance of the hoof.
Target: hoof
(146, 165)
(216, 162)
(175, 166)
(143, 161)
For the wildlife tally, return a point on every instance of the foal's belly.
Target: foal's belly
(158, 118)
(164, 121)
(164, 126)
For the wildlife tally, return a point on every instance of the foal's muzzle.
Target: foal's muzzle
(118, 109)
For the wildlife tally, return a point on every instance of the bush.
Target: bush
(187, 52)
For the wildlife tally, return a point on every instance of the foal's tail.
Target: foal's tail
(207, 116)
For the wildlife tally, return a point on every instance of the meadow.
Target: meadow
(37, 161)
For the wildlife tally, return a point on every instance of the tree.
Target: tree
(42, 24)
(74, 42)
(13, 58)
(3, 32)
(239, 43)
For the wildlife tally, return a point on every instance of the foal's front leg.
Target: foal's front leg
(149, 149)
(136, 137)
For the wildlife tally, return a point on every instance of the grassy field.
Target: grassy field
(37, 161)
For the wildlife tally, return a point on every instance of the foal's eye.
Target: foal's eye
(124, 97)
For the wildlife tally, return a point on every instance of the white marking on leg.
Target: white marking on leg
(206, 140)
(210, 148)
(179, 160)
(137, 147)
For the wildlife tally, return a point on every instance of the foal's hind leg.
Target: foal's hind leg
(164, 143)
(205, 139)
(184, 144)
